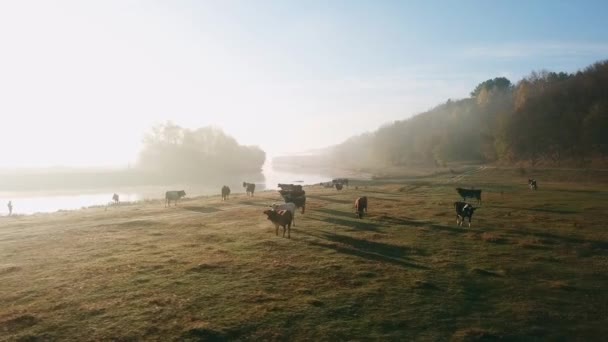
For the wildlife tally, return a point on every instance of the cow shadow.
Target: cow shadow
(360, 225)
(202, 210)
(542, 210)
(328, 199)
(256, 204)
(334, 212)
(595, 244)
(369, 250)
(425, 224)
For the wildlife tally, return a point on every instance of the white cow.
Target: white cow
(286, 206)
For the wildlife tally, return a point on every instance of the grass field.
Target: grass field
(534, 265)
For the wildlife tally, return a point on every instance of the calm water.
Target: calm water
(41, 202)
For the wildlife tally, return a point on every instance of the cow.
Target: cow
(225, 192)
(290, 187)
(297, 197)
(291, 207)
(339, 186)
(280, 218)
(532, 184)
(250, 188)
(463, 210)
(343, 181)
(361, 206)
(173, 196)
(467, 193)
(116, 198)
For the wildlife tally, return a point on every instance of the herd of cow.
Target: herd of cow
(284, 214)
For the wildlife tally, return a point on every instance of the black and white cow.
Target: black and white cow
(173, 196)
(532, 184)
(463, 210)
(469, 193)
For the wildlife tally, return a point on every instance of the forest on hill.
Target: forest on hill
(547, 118)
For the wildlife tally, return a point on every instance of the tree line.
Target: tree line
(171, 150)
(547, 117)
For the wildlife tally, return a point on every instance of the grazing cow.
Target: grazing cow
(280, 218)
(291, 207)
(173, 196)
(225, 192)
(339, 186)
(532, 184)
(250, 187)
(115, 198)
(463, 210)
(466, 193)
(361, 206)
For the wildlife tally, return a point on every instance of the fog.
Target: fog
(81, 83)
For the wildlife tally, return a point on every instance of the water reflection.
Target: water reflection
(34, 202)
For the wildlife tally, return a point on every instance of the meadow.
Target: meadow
(533, 266)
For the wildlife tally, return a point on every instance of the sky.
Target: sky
(81, 82)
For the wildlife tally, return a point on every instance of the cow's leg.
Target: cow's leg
(469, 221)
(289, 231)
(276, 232)
(293, 218)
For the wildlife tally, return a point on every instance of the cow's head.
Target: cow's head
(271, 213)
(181, 193)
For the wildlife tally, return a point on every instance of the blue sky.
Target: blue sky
(85, 71)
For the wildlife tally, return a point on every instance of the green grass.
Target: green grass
(532, 266)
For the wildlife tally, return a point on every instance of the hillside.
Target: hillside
(547, 118)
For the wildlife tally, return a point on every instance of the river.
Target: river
(30, 202)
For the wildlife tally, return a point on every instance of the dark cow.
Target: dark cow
(116, 198)
(463, 210)
(343, 181)
(532, 184)
(250, 187)
(173, 196)
(467, 193)
(281, 218)
(290, 187)
(339, 186)
(225, 192)
(361, 206)
(296, 197)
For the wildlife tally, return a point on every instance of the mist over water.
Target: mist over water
(30, 202)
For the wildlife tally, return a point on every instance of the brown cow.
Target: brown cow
(360, 206)
(281, 218)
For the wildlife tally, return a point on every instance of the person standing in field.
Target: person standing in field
(10, 208)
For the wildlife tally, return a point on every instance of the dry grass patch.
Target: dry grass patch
(216, 271)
